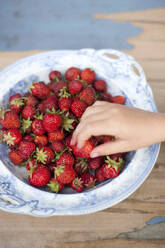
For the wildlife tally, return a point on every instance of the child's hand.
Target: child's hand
(133, 128)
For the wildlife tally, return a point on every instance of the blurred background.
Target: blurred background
(71, 24)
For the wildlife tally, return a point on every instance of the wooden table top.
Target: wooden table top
(138, 221)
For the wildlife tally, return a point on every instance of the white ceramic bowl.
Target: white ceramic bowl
(16, 195)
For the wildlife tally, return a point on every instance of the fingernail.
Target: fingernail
(94, 154)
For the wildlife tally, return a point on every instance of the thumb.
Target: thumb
(109, 148)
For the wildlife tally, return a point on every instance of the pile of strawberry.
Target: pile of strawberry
(38, 129)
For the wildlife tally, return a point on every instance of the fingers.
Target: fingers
(92, 129)
(110, 148)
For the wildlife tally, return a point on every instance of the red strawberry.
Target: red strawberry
(72, 73)
(75, 87)
(88, 95)
(77, 184)
(40, 107)
(55, 186)
(31, 164)
(50, 103)
(78, 107)
(64, 174)
(88, 180)
(56, 135)
(9, 119)
(31, 100)
(95, 163)
(42, 140)
(64, 103)
(27, 137)
(26, 148)
(55, 75)
(44, 155)
(85, 151)
(99, 174)
(81, 166)
(116, 156)
(100, 85)
(12, 137)
(37, 127)
(111, 168)
(28, 112)
(40, 176)
(16, 102)
(88, 75)
(40, 90)
(58, 146)
(105, 138)
(68, 140)
(105, 96)
(15, 157)
(66, 158)
(52, 122)
(57, 86)
(117, 99)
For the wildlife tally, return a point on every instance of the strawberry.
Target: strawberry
(99, 174)
(100, 85)
(40, 176)
(64, 103)
(105, 138)
(88, 180)
(117, 99)
(26, 148)
(26, 125)
(55, 186)
(66, 158)
(12, 136)
(40, 107)
(77, 184)
(57, 86)
(40, 90)
(95, 163)
(85, 151)
(116, 156)
(52, 122)
(41, 139)
(105, 96)
(75, 87)
(64, 174)
(88, 95)
(31, 164)
(88, 75)
(37, 127)
(58, 146)
(28, 112)
(50, 103)
(56, 135)
(78, 107)
(15, 157)
(44, 155)
(67, 141)
(81, 166)
(27, 137)
(16, 102)
(31, 100)
(72, 73)
(55, 75)
(111, 168)
(9, 119)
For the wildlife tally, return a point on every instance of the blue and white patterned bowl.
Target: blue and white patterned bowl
(16, 195)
